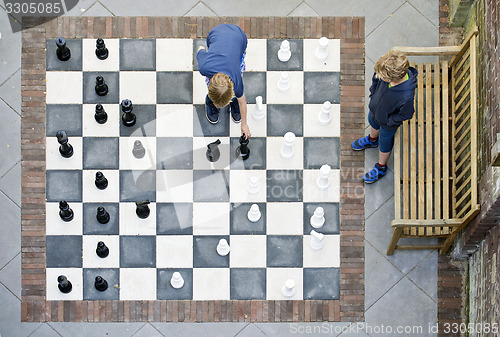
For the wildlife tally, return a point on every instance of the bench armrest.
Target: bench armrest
(426, 51)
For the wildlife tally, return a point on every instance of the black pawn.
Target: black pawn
(100, 181)
(64, 285)
(243, 151)
(63, 53)
(101, 51)
(128, 117)
(100, 114)
(213, 152)
(142, 209)
(65, 148)
(138, 151)
(102, 215)
(65, 212)
(101, 88)
(100, 283)
(102, 251)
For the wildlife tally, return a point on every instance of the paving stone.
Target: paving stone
(97, 10)
(428, 8)
(252, 7)
(45, 330)
(251, 331)
(10, 91)
(10, 276)
(200, 10)
(10, 61)
(96, 329)
(10, 184)
(301, 328)
(303, 10)
(196, 329)
(149, 7)
(148, 331)
(10, 138)
(11, 306)
(425, 275)
(379, 192)
(80, 7)
(10, 240)
(354, 330)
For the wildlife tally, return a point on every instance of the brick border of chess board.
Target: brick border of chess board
(34, 307)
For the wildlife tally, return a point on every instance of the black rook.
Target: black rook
(128, 117)
(63, 53)
(243, 151)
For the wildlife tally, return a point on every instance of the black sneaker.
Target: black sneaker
(211, 111)
(234, 109)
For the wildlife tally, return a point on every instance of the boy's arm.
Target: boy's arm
(242, 102)
(374, 84)
(405, 112)
(201, 55)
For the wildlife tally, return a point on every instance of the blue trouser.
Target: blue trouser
(385, 138)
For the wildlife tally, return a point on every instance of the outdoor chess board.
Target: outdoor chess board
(194, 203)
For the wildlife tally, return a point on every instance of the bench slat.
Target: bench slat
(437, 142)
(397, 175)
(421, 146)
(406, 171)
(428, 143)
(446, 137)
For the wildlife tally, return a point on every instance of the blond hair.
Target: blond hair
(220, 90)
(392, 66)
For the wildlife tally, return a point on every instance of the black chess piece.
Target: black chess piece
(102, 215)
(100, 114)
(64, 284)
(101, 51)
(63, 53)
(102, 250)
(243, 151)
(142, 209)
(138, 151)
(128, 117)
(100, 181)
(100, 283)
(213, 152)
(65, 212)
(101, 88)
(65, 149)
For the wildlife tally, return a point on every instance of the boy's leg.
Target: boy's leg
(368, 141)
(383, 157)
(386, 141)
(374, 133)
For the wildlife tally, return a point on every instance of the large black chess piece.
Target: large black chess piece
(243, 151)
(63, 53)
(65, 148)
(64, 284)
(142, 209)
(100, 114)
(100, 283)
(102, 215)
(138, 151)
(102, 250)
(213, 152)
(101, 88)
(128, 117)
(65, 212)
(100, 181)
(101, 51)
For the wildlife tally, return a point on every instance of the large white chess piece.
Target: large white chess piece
(287, 150)
(288, 289)
(316, 242)
(324, 117)
(259, 112)
(223, 247)
(284, 82)
(177, 281)
(321, 51)
(323, 180)
(318, 218)
(254, 213)
(284, 53)
(253, 185)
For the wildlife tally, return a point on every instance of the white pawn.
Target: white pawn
(323, 181)
(284, 53)
(284, 83)
(258, 112)
(253, 185)
(324, 117)
(316, 242)
(254, 213)
(288, 289)
(177, 281)
(318, 218)
(321, 52)
(223, 247)
(287, 150)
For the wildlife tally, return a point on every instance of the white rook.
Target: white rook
(288, 289)
(323, 181)
(254, 213)
(253, 185)
(223, 247)
(284, 82)
(259, 112)
(284, 53)
(177, 281)
(287, 148)
(318, 218)
(316, 242)
(324, 117)
(321, 51)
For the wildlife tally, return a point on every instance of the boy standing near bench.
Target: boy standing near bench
(392, 95)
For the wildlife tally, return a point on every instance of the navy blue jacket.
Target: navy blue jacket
(391, 106)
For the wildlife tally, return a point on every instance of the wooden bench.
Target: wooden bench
(435, 153)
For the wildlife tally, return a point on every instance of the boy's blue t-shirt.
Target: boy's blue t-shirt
(226, 44)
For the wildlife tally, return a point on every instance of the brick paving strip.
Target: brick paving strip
(35, 308)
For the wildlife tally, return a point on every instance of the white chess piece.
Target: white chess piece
(284, 82)
(254, 213)
(324, 117)
(287, 150)
(253, 185)
(258, 112)
(288, 289)
(318, 218)
(177, 281)
(284, 53)
(223, 247)
(321, 51)
(316, 242)
(323, 180)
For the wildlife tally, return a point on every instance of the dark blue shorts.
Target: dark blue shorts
(385, 138)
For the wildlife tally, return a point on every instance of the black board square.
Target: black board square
(319, 151)
(294, 63)
(137, 185)
(174, 218)
(100, 153)
(205, 254)
(321, 283)
(110, 78)
(283, 118)
(248, 283)
(111, 275)
(64, 251)
(174, 87)
(321, 87)
(64, 185)
(65, 117)
(165, 291)
(137, 251)
(138, 54)
(74, 62)
(284, 251)
(93, 227)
